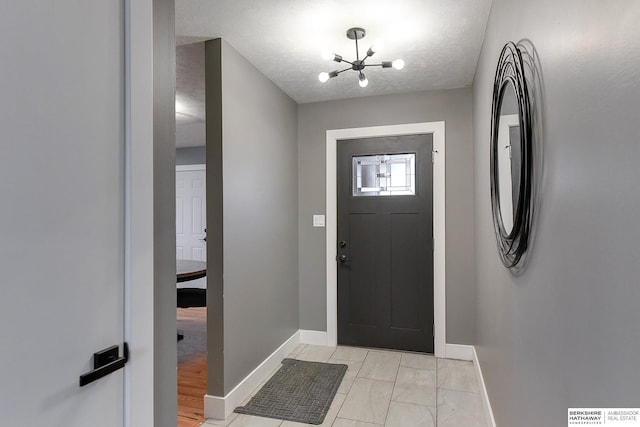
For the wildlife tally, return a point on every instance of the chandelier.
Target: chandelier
(358, 65)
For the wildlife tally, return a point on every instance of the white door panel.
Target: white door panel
(191, 213)
(62, 220)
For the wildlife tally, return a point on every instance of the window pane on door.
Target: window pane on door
(384, 175)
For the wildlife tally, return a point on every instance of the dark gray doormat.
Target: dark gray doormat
(300, 391)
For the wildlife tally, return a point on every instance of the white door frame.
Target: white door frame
(439, 280)
(505, 188)
(140, 373)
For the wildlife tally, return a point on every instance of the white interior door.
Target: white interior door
(62, 186)
(191, 213)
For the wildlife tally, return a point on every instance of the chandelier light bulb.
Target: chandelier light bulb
(327, 55)
(323, 77)
(398, 64)
(363, 82)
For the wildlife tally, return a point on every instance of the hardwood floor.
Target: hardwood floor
(192, 372)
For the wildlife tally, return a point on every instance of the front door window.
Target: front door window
(384, 175)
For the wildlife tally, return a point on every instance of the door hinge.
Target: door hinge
(433, 156)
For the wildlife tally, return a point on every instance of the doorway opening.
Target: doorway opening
(191, 236)
(437, 130)
(191, 312)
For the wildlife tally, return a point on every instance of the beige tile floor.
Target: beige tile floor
(389, 389)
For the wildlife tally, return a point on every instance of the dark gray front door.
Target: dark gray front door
(385, 243)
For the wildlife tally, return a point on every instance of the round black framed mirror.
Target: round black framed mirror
(511, 157)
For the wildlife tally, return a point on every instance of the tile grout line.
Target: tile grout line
(460, 391)
(392, 390)
(339, 409)
(347, 394)
(334, 396)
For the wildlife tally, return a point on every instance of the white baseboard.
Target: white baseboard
(459, 352)
(313, 337)
(488, 412)
(221, 407)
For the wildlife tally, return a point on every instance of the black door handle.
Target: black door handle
(342, 258)
(105, 362)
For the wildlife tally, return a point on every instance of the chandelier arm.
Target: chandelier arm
(342, 71)
(348, 62)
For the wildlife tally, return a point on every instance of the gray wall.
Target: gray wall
(215, 225)
(565, 332)
(452, 106)
(191, 156)
(164, 200)
(260, 214)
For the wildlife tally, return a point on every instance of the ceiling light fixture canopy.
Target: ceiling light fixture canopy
(357, 33)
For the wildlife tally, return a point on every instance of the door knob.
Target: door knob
(343, 244)
(342, 258)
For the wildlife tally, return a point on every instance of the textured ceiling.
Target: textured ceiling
(439, 40)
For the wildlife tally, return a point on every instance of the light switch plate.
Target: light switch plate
(318, 220)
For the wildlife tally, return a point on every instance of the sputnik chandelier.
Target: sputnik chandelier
(358, 65)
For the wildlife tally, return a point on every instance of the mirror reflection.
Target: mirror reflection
(509, 156)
